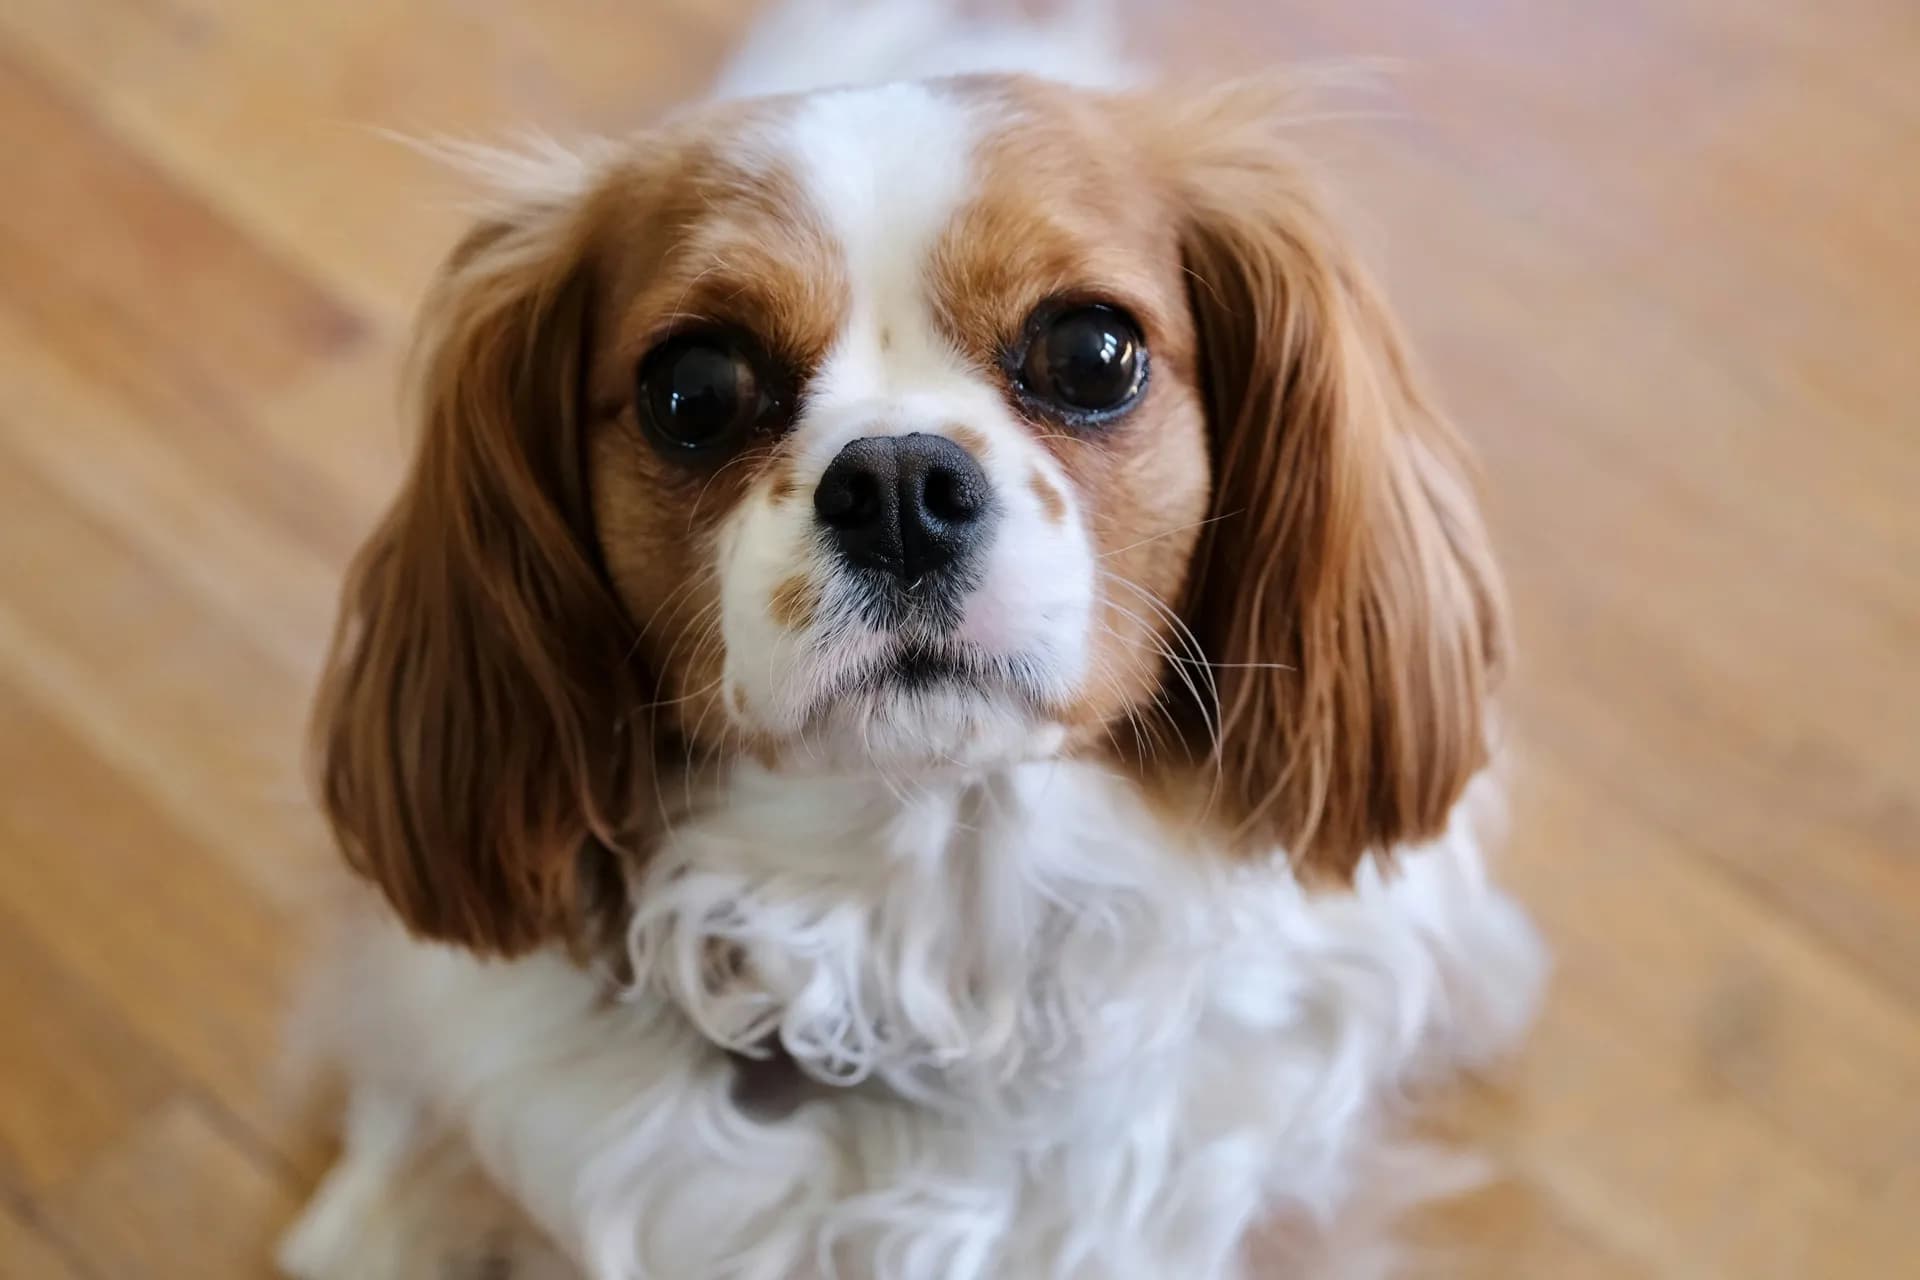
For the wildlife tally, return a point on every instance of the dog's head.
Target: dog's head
(916, 427)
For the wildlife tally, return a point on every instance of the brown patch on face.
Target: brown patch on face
(969, 439)
(1062, 215)
(701, 234)
(1087, 720)
(794, 603)
(1052, 505)
(714, 236)
(737, 699)
(783, 479)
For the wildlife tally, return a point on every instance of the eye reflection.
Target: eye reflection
(1088, 361)
(700, 392)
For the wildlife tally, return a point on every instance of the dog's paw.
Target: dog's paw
(403, 1203)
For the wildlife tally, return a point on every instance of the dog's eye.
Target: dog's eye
(1089, 361)
(700, 392)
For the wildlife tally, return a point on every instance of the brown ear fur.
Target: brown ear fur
(468, 725)
(1344, 544)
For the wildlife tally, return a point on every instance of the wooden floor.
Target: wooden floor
(1664, 256)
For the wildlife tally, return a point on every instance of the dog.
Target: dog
(925, 709)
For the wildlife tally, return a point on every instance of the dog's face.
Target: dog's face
(897, 454)
(916, 427)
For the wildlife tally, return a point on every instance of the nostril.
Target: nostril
(856, 493)
(945, 487)
(848, 499)
(951, 495)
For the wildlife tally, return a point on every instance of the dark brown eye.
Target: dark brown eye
(1089, 362)
(700, 392)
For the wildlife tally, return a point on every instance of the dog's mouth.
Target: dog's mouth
(914, 669)
(927, 700)
(919, 666)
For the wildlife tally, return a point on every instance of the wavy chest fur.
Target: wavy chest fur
(1058, 1039)
(975, 943)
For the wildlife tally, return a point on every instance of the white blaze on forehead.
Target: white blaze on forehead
(884, 172)
(885, 169)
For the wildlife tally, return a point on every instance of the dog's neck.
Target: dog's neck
(981, 935)
(859, 836)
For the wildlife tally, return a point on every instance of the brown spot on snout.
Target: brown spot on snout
(1051, 503)
(1081, 718)
(794, 602)
(782, 480)
(970, 440)
(737, 696)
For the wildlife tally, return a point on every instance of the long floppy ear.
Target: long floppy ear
(1344, 585)
(467, 726)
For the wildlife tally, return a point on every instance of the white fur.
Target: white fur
(1061, 1042)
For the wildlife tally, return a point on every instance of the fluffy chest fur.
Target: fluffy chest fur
(1058, 1043)
(986, 943)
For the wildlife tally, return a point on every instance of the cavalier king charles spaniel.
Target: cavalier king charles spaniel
(921, 714)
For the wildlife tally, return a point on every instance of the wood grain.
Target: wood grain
(1661, 258)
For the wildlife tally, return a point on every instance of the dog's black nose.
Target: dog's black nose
(904, 505)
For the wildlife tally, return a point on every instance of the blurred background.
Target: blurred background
(1663, 257)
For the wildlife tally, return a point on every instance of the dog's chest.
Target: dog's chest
(992, 937)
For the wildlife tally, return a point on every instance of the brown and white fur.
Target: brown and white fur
(709, 946)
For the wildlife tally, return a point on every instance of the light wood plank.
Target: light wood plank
(194, 960)
(177, 1198)
(76, 1075)
(1513, 1229)
(26, 1251)
(308, 164)
(117, 459)
(1723, 985)
(147, 294)
(179, 701)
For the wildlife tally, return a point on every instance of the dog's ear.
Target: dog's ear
(1344, 586)
(469, 725)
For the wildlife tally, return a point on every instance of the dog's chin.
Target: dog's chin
(923, 709)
